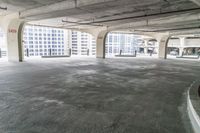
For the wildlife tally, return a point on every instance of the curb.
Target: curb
(194, 118)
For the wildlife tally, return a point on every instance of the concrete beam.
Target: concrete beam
(185, 32)
(64, 5)
(197, 2)
(162, 21)
(71, 6)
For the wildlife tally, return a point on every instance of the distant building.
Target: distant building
(126, 43)
(2, 40)
(3, 47)
(82, 44)
(44, 41)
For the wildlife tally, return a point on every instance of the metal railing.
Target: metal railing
(2, 53)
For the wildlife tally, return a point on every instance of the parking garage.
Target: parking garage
(113, 66)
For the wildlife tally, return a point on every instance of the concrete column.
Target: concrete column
(101, 44)
(66, 43)
(182, 44)
(14, 40)
(196, 51)
(100, 35)
(181, 51)
(146, 46)
(163, 41)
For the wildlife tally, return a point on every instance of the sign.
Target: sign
(100, 37)
(12, 30)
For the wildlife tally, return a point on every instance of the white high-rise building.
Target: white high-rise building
(3, 47)
(2, 40)
(45, 41)
(82, 44)
(126, 43)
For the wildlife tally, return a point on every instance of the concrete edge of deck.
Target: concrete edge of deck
(125, 55)
(193, 115)
(61, 56)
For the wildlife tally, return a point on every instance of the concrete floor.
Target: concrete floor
(95, 96)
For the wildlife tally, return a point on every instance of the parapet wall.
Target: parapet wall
(193, 106)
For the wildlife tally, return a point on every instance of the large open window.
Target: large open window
(184, 47)
(124, 44)
(82, 44)
(47, 41)
(3, 48)
(44, 41)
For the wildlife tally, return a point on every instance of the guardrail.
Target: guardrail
(3, 53)
(193, 115)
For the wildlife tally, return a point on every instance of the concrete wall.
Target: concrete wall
(188, 43)
(192, 42)
(193, 106)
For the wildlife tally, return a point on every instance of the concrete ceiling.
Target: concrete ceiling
(126, 15)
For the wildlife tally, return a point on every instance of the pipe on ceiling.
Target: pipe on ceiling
(174, 29)
(78, 23)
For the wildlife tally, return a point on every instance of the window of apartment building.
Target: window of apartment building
(41, 35)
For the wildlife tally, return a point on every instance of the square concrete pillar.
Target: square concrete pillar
(163, 47)
(100, 44)
(14, 41)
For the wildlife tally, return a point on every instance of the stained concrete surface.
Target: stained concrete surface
(95, 95)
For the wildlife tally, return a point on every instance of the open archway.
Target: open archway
(119, 44)
(173, 47)
(40, 41)
(186, 46)
(82, 44)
